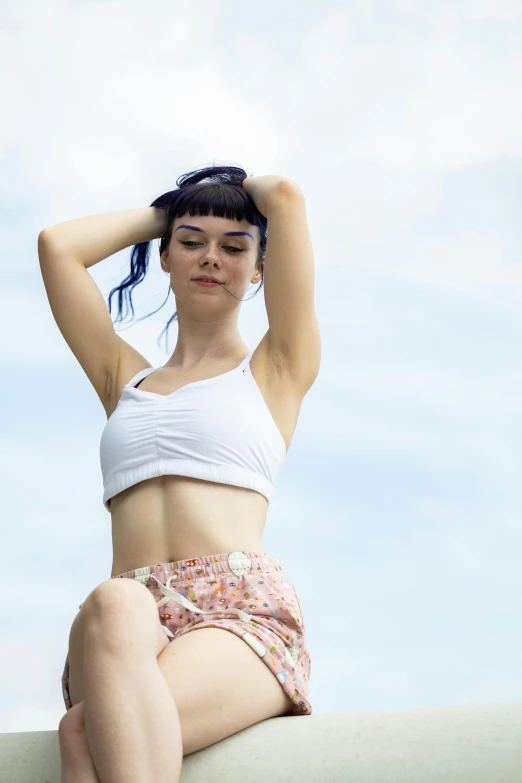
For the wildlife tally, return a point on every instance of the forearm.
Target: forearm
(95, 237)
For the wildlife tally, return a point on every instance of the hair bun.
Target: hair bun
(224, 175)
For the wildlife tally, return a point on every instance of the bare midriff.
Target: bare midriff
(170, 518)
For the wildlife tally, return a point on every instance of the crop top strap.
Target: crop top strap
(143, 373)
(139, 376)
(246, 360)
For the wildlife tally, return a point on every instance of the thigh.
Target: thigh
(219, 685)
(128, 596)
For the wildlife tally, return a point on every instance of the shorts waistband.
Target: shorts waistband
(237, 563)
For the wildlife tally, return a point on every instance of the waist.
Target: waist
(172, 518)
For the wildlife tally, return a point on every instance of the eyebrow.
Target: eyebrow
(227, 233)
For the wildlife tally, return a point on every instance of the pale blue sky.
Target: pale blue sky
(398, 511)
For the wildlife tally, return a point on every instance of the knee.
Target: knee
(118, 607)
(115, 595)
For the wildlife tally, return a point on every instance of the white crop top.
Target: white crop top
(218, 429)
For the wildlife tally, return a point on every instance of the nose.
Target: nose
(211, 257)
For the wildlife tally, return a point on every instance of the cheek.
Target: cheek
(183, 265)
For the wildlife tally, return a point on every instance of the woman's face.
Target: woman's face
(204, 246)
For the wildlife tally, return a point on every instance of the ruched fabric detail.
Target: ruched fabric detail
(218, 429)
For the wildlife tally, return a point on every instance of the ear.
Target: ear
(164, 260)
(258, 274)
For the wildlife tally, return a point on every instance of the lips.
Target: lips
(207, 279)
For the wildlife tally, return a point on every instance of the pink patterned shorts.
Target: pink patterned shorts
(246, 593)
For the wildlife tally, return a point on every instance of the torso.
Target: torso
(171, 518)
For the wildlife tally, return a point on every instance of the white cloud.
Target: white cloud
(401, 493)
(501, 10)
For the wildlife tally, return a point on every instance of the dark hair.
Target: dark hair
(222, 196)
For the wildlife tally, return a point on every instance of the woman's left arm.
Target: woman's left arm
(289, 277)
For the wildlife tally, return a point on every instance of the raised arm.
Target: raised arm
(66, 251)
(289, 285)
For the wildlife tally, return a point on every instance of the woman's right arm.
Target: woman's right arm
(93, 238)
(65, 252)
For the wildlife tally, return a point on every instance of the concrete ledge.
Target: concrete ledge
(469, 744)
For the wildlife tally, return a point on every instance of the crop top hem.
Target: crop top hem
(221, 474)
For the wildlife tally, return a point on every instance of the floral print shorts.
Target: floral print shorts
(246, 593)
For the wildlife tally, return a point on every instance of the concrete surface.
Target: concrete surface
(464, 744)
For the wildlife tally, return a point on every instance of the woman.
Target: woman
(189, 456)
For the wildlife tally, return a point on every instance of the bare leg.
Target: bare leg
(77, 765)
(73, 773)
(131, 720)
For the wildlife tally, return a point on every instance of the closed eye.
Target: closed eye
(190, 243)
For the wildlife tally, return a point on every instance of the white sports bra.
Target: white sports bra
(218, 429)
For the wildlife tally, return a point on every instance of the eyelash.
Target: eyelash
(228, 247)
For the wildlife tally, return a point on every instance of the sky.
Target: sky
(398, 511)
